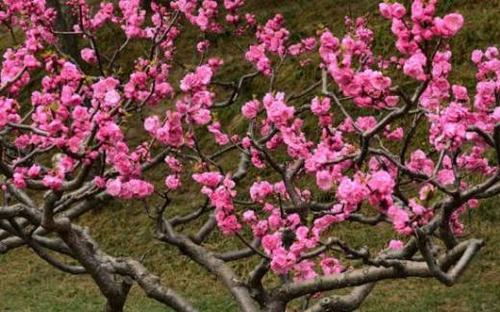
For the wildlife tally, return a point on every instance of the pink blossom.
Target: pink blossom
(100, 182)
(22, 141)
(320, 106)
(257, 159)
(396, 244)
(210, 179)
(220, 137)
(414, 66)
(114, 187)
(460, 92)
(446, 176)
(416, 208)
(134, 18)
(381, 182)
(34, 171)
(400, 219)
(201, 116)
(50, 107)
(420, 163)
(331, 265)
(172, 182)
(229, 225)
(19, 180)
(136, 188)
(250, 109)
(249, 216)
(282, 261)
(396, 135)
(426, 192)
(260, 190)
(88, 55)
(271, 242)
(366, 123)
(295, 49)
(112, 98)
(232, 5)
(109, 131)
(201, 77)
(449, 25)
(256, 55)
(70, 72)
(304, 271)
(171, 132)
(277, 110)
(260, 228)
(173, 163)
(389, 11)
(104, 14)
(202, 46)
(152, 124)
(477, 56)
(324, 179)
(352, 192)
(273, 35)
(52, 182)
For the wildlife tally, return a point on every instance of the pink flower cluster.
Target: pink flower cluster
(220, 191)
(88, 55)
(422, 25)
(367, 87)
(272, 38)
(193, 107)
(449, 128)
(133, 188)
(169, 132)
(305, 45)
(8, 111)
(16, 67)
(203, 16)
(273, 35)
(321, 108)
(281, 116)
(220, 137)
(284, 239)
(198, 79)
(256, 55)
(278, 112)
(102, 16)
(133, 17)
(138, 87)
(173, 181)
(251, 109)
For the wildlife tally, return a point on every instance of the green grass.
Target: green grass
(29, 284)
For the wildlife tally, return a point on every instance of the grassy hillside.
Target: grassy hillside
(29, 284)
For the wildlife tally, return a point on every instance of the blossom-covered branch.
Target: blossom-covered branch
(275, 167)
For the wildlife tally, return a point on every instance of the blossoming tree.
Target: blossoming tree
(278, 186)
